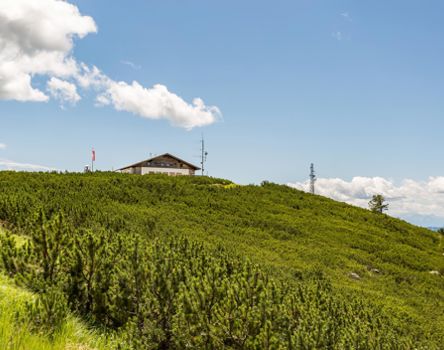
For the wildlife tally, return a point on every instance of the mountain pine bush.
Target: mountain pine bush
(195, 263)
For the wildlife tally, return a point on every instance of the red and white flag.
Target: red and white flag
(93, 155)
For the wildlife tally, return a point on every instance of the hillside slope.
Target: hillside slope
(394, 268)
(72, 335)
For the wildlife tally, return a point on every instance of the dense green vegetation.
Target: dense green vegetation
(20, 335)
(194, 262)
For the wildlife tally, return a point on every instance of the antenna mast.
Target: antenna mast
(204, 155)
(312, 179)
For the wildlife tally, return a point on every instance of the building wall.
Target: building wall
(164, 162)
(168, 171)
(126, 171)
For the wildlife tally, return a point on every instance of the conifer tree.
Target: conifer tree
(377, 204)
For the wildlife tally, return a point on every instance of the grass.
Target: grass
(19, 239)
(16, 334)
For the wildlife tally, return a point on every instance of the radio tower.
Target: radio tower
(204, 155)
(312, 179)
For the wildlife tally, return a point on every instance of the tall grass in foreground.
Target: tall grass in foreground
(16, 334)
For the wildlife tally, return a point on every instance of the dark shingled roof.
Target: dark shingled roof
(161, 155)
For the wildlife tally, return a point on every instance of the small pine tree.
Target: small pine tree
(377, 204)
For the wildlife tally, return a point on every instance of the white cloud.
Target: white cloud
(36, 38)
(410, 197)
(2, 145)
(91, 77)
(158, 103)
(131, 64)
(63, 91)
(11, 165)
(346, 16)
(337, 35)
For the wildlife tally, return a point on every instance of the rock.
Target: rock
(434, 272)
(373, 269)
(354, 275)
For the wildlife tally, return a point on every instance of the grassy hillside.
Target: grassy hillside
(202, 263)
(18, 334)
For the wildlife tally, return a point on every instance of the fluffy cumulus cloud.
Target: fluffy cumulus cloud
(156, 103)
(63, 91)
(36, 39)
(423, 198)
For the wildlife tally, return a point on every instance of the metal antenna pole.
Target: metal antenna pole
(204, 155)
(312, 179)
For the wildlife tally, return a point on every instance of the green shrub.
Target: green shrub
(194, 262)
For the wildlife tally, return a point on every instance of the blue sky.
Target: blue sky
(355, 87)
